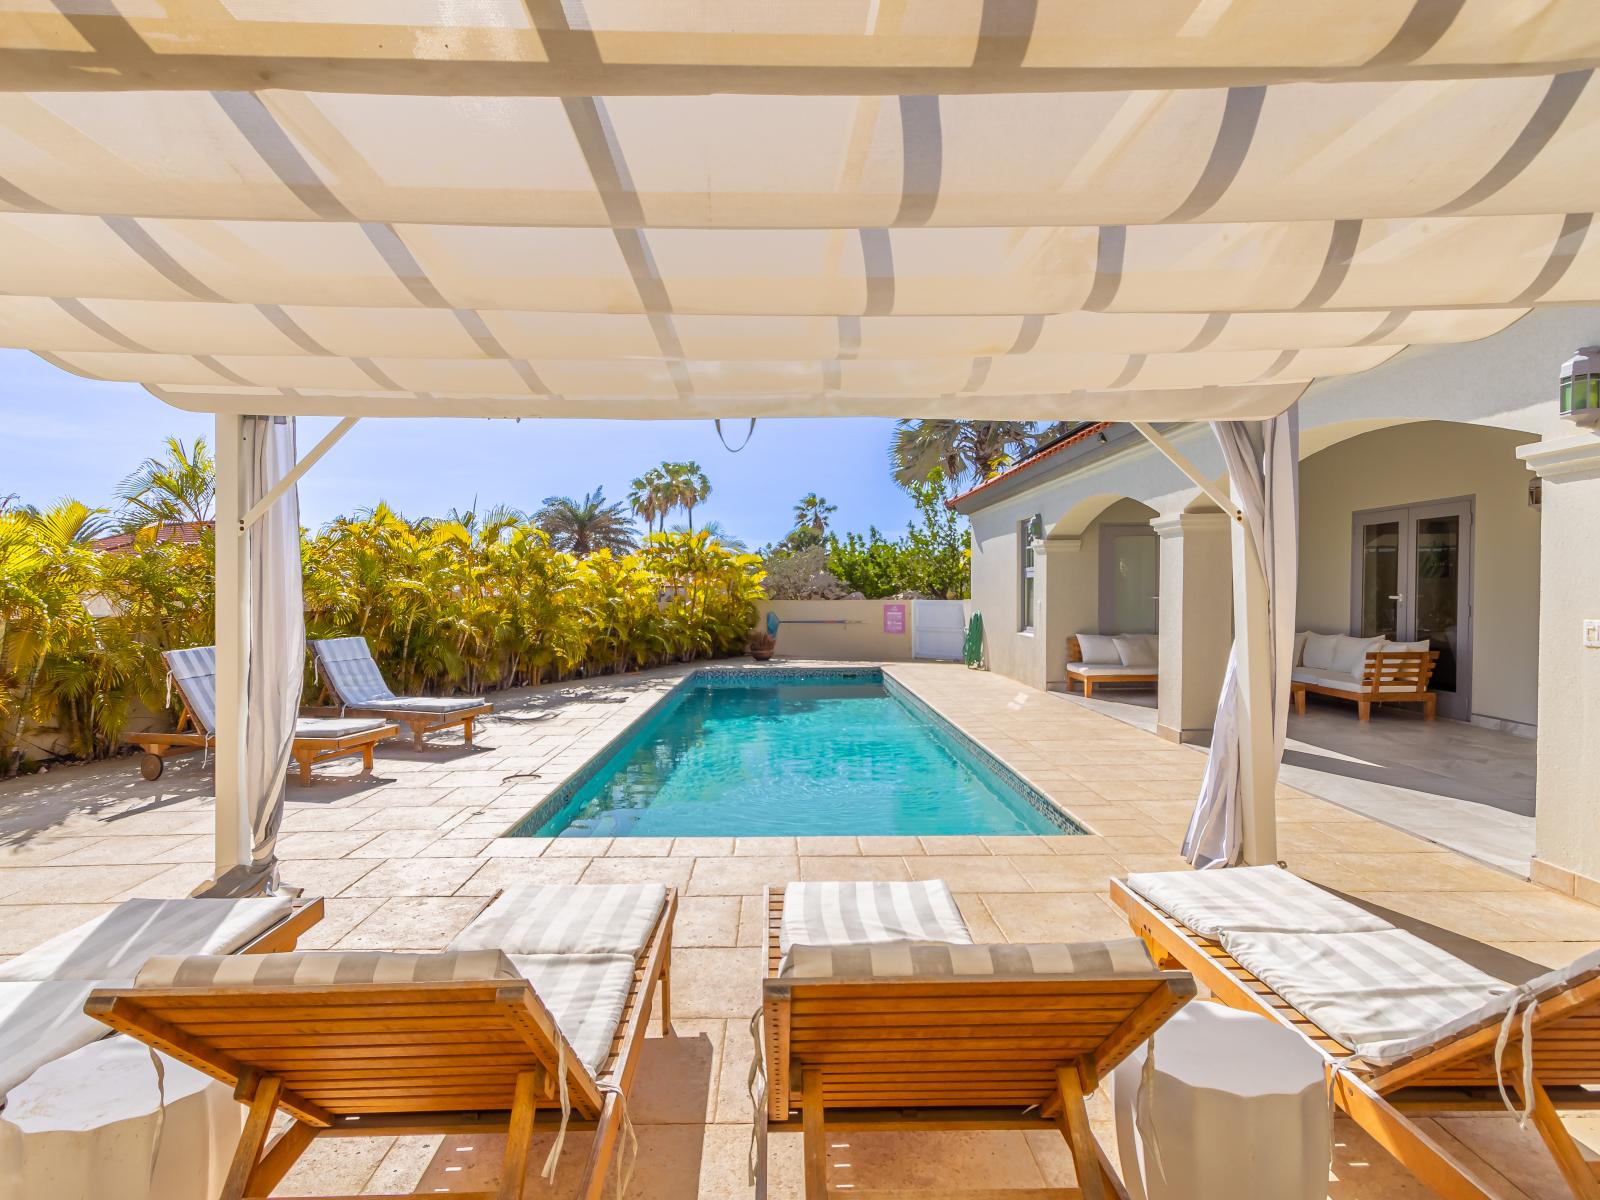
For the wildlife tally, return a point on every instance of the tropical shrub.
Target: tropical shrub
(933, 559)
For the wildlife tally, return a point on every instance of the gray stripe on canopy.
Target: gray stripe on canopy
(78, 311)
(211, 364)
(1424, 25)
(1027, 334)
(922, 156)
(1108, 256)
(1279, 365)
(1129, 372)
(978, 374)
(1391, 322)
(270, 140)
(1004, 31)
(135, 237)
(14, 196)
(877, 256)
(1553, 110)
(849, 336)
(1240, 115)
(1570, 240)
(1209, 332)
(831, 379)
(1342, 242)
(286, 325)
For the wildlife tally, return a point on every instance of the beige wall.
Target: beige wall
(861, 639)
(1416, 463)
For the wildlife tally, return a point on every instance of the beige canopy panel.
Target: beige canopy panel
(658, 208)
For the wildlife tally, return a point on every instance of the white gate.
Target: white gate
(938, 628)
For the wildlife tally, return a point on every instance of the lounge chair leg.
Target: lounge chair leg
(1300, 701)
(284, 1152)
(305, 772)
(1088, 689)
(816, 1139)
(1569, 1159)
(1364, 708)
(1430, 707)
(1074, 1121)
(519, 1136)
(257, 1124)
(416, 735)
(466, 730)
(366, 757)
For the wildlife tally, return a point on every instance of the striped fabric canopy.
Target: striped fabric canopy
(655, 208)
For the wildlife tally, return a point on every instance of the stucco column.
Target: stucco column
(1196, 621)
(1061, 589)
(1567, 823)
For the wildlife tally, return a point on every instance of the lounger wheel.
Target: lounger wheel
(151, 766)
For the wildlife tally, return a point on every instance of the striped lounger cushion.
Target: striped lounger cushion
(585, 993)
(195, 672)
(881, 960)
(1268, 899)
(116, 944)
(350, 670)
(838, 914)
(1366, 989)
(42, 1020)
(567, 918)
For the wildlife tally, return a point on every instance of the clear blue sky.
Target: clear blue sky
(65, 436)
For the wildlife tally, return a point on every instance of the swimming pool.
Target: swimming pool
(786, 751)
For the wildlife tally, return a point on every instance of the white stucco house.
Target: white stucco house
(1443, 498)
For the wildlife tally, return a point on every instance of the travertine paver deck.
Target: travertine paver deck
(408, 857)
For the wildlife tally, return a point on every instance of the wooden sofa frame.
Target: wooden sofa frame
(1089, 682)
(1384, 672)
(419, 723)
(1457, 1076)
(306, 751)
(925, 1053)
(380, 1060)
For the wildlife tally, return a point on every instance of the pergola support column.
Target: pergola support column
(232, 616)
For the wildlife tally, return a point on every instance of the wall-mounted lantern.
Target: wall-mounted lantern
(1580, 386)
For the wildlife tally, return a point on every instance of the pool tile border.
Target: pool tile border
(716, 677)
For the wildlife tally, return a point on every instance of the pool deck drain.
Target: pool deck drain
(406, 859)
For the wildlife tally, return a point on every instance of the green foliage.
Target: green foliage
(932, 559)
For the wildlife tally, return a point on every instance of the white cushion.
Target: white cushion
(1366, 989)
(42, 1020)
(1318, 651)
(1299, 646)
(567, 918)
(1255, 898)
(1136, 650)
(1350, 654)
(1424, 644)
(854, 913)
(1108, 670)
(322, 968)
(117, 943)
(1096, 648)
(585, 993)
(1009, 960)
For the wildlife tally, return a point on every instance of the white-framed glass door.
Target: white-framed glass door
(1412, 582)
(1130, 579)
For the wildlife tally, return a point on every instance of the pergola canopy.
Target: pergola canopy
(978, 208)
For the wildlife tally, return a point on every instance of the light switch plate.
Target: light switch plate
(1591, 635)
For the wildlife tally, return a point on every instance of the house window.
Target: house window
(1027, 532)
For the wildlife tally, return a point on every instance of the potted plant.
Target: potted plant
(761, 645)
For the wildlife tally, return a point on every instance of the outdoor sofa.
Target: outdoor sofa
(1366, 670)
(42, 991)
(316, 739)
(532, 1018)
(1405, 1029)
(879, 1013)
(351, 677)
(1094, 658)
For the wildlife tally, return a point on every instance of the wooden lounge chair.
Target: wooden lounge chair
(43, 989)
(1456, 1069)
(1388, 677)
(856, 1039)
(316, 739)
(351, 679)
(379, 1044)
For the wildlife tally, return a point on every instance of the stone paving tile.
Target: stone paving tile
(406, 858)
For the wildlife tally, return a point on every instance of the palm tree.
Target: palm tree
(814, 511)
(961, 450)
(180, 486)
(715, 531)
(580, 527)
(647, 496)
(687, 486)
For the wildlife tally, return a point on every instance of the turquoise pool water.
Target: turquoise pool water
(749, 754)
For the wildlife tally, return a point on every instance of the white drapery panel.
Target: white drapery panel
(1263, 469)
(850, 207)
(274, 650)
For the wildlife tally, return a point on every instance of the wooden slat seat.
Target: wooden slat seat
(380, 1059)
(923, 1052)
(1387, 677)
(1458, 1075)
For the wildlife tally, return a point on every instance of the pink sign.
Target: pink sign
(894, 618)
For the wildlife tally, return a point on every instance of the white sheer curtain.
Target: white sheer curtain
(275, 648)
(1263, 466)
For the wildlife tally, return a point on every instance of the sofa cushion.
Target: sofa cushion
(1318, 651)
(1258, 899)
(567, 918)
(1424, 644)
(852, 912)
(1350, 654)
(1136, 650)
(1096, 648)
(1108, 670)
(1299, 646)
